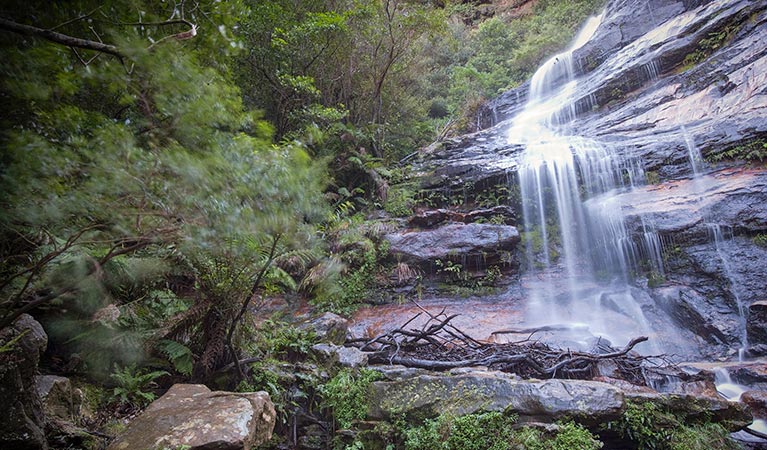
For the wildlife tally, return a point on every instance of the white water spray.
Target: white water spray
(585, 244)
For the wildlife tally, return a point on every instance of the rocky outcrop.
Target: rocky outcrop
(432, 217)
(60, 399)
(474, 244)
(328, 327)
(432, 395)
(345, 356)
(23, 421)
(193, 417)
(589, 402)
(757, 401)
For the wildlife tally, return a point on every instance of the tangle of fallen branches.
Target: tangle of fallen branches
(439, 345)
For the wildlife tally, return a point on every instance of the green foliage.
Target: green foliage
(760, 240)
(708, 45)
(486, 431)
(655, 279)
(496, 196)
(707, 435)
(179, 355)
(652, 177)
(401, 200)
(276, 339)
(346, 395)
(755, 150)
(569, 436)
(123, 175)
(652, 428)
(133, 385)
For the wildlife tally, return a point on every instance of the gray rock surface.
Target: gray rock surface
(60, 399)
(455, 242)
(192, 416)
(431, 395)
(345, 356)
(589, 402)
(757, 401)
(329, 328)
(23, 421)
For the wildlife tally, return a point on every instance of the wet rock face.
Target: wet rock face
(756, 326)
(473, 243)
(22, 426)
(757, 401)
(193, 417)
(649, 82)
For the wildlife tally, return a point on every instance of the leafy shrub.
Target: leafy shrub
(485, 431)
(346, 395)
(650, 427)
(569, 436)
(278, 339)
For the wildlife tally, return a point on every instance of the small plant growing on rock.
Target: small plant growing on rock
(760, 240)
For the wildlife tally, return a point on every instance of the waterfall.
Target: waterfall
(721, 235)
(693, 153)
(574, 229)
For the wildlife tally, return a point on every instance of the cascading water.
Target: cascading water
(721, 235)
(575, 237)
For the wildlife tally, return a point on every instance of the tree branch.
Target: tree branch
(59, 38)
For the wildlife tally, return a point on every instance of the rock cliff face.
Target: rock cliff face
(667, 87)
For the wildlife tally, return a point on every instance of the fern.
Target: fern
(179, 355)
(133, 384)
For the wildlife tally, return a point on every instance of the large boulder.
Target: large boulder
(588, 402)
(192, 416)
(23, 421)
(546, 401)
(472, 243)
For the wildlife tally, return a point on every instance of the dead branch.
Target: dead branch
(438, 345)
